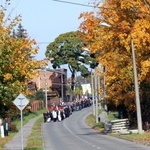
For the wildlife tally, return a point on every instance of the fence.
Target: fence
(117, 125)
(36, 105)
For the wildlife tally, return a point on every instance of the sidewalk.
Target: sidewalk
(15, 142)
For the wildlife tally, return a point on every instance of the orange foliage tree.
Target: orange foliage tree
(16, 65)
(108, 30)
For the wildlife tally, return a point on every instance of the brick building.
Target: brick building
(54, 79)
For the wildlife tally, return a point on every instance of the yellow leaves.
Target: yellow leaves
(17, 65)
(35, 50)
(141, 34)
(101, 90)
(23, 72)
(126, 4)
(37, 73)
(1, 16)
(7, 77)
(145, 69)
(44, 62)
(89, 25)
(113, 44)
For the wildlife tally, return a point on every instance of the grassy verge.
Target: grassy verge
(35, 141)
(99, 127)
(17, 123)
(90, 120)
(138, 138)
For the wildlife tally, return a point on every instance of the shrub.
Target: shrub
(12, 127)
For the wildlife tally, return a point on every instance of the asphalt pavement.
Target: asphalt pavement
(74, 134)
(16, 142)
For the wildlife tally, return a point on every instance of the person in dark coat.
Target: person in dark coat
(6, 127)
(49, 116)
(45, 117)
(67, 111)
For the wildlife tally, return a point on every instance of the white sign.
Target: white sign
(1, 121)
(21, 101)
(2, 131)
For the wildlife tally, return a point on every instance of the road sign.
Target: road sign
(21, 101)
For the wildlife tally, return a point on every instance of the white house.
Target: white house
(86, 88)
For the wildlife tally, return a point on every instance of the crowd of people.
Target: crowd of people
(65, 109)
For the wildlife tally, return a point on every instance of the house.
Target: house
(54, 80)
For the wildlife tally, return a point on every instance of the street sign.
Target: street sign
(21, 101)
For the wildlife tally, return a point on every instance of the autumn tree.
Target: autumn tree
(16, 66)
(109, 30)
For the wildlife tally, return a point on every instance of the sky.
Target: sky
(45, 20)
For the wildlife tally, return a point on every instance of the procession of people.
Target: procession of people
(65, 109)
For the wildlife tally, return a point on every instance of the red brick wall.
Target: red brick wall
(53, 80)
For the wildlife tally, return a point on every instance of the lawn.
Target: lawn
(138, 138)
(99, 127)
(17, 123)
(35, 141)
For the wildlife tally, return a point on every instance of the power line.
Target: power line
(61, 1)
(74, 3)
(43, 42)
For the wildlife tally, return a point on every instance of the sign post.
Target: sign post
(21, 102)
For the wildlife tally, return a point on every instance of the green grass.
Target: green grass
(17, 123)
(99, 127)
(35, 141)
(111, 116)
(91, 121)
(139, 138)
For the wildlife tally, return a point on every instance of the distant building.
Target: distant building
(86, 88)
(54, 79)
(85, 84)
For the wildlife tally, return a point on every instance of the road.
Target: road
(74, 134)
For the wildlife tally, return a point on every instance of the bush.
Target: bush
(12, 127)
(99, 125)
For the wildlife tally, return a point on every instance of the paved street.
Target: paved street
(73, 133)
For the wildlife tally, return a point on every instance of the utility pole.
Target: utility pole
(92, 88)
(99, 86)
(45, 87)
(138, 107)
(96, 98)
(62, 87)
(105, 99)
